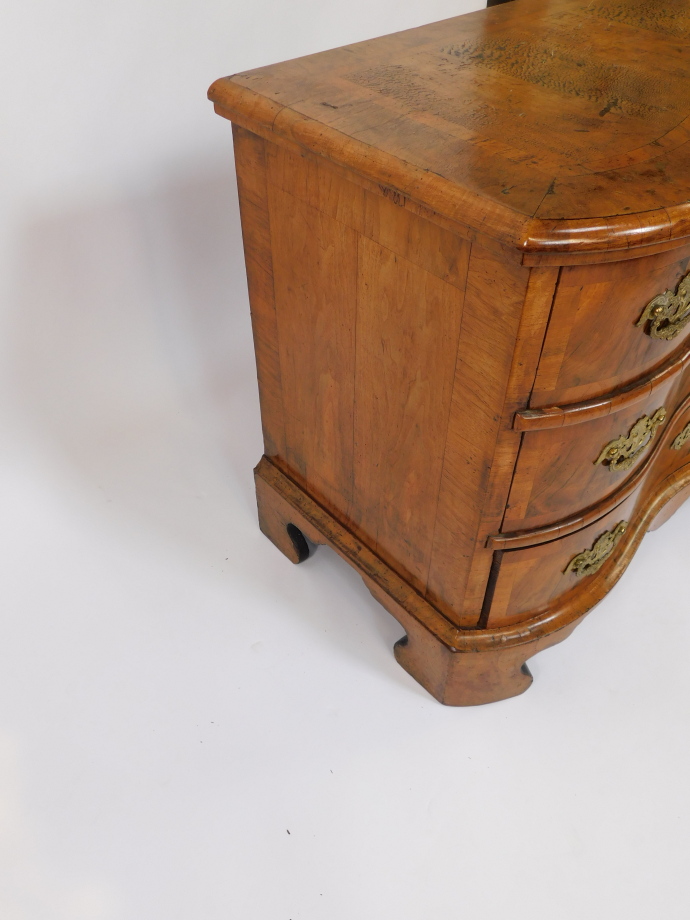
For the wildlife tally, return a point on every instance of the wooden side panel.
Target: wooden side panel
(319, 184)
(491, 320)
(315, 183)
(250, 162)
(594, 345)
(369, 301)
(408, 323)
(396, 400)
(315, 275)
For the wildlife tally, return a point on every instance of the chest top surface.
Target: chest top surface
(548, 123)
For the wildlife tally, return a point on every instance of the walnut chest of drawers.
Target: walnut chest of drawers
(468, 256)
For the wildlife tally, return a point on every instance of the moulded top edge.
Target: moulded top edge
(551, 125)
(452, 199)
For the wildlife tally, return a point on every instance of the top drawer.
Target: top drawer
(594, 344)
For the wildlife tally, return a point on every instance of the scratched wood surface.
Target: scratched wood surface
(547, 123)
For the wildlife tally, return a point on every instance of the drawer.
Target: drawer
(562, 471)
(674, 455)
(594, 344)
(530, 579)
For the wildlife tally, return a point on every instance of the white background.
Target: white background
(174, 695)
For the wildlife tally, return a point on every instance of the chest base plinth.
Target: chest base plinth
(458, 667)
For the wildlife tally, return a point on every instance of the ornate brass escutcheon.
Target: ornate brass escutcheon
(668, 313)
(591, 560)
(682, 439)
(622, 453)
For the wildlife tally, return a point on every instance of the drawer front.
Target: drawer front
(562, 471)
(675, 454)
(594, 344)
(532, 577)
(529, 579)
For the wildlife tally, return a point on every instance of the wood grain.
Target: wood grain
(534, 317)
(659, 462)
(250, 161)
(482, 373)
(408, 323)
(551, 125)
(316, 333)
(369, 302)
(459, 667)
(632, 393)
(450, 235)
(593, 345)
(534, 580)
(528, 579)
(557, 471)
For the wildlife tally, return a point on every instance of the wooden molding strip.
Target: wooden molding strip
(522, 538)
(599, 258)
(618, 232)
(562, 416)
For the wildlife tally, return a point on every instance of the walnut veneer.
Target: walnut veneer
(466, 247)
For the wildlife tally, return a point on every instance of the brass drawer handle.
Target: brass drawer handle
(591, 560)
(621, 453)
(682, 439)
(668, 313)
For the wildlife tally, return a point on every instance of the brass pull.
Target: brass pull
(621, 453)
(591, 560)
(668, 313)
(682, 439)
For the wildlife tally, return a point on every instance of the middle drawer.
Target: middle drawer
(562, 471)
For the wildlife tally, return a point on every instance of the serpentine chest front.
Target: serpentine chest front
(468, 257)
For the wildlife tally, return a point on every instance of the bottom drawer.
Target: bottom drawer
(528, 579)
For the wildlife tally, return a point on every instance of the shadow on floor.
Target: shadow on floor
(132, 368)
